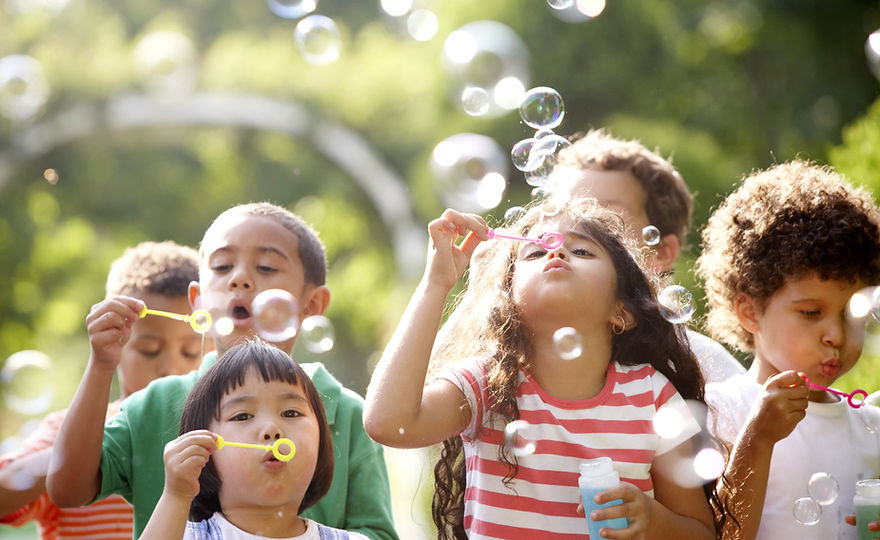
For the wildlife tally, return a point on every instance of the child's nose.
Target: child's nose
(558, 252)
(240, 280)
(834, 333)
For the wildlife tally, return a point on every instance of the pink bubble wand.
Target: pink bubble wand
(548, 241)
(849, 397)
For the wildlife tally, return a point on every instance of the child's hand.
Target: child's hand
(781, 405)
(109, 326)
(447, 261)
(873, 526)
(635, 508)
(185, 457)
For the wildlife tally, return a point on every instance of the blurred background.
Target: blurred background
(127, 121)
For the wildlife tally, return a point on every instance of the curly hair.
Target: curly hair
(164, 268)
(487, 323)
(668, 202)
(790, 221)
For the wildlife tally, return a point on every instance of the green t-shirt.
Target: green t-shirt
(134, 442)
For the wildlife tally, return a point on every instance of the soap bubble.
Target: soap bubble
(470, 170)
(475, 101)
(872, 51)
(317, 333)
(317, 39)
(651, 235)
(27, 383)
(422, 25)
(224, 326)
(668, 423)
(396, 8)
(823, 488)
(514, 213)
(869, 412)
(520, 153)
(542, 108)
(23, 87)
(547, 145)
(860, 304)
(515, 438)
(568, 343)
(292, 9)
(676, 304)
(807, 511)
(166, 62)
(560, 4)
(709, 463)
(276, 315)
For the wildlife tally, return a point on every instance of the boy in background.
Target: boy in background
(159, 274)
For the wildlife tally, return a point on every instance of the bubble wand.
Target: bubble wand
(200, 319)
(274, 448)
(849, 397)
(549, 240)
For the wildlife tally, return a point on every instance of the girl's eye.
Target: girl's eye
(582, 252)
(240, 417)
(192, 354)
(150, 354)
(291, 413)
(264, 268)
(811, 313)
(534, 254)
(221, 268)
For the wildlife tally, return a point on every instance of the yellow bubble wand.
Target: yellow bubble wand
(200, 319)
(275, 448)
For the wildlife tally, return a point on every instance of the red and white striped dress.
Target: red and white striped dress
(542, 499)
(107, 519)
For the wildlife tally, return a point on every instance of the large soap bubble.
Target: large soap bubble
(276, 315)
(542, 108)
(471, 172)
(27, 382)
(317, 39)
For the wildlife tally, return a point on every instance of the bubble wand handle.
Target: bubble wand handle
(849, 397)
(177, 316)
(549, 240)
(200, 319)
(274, 448)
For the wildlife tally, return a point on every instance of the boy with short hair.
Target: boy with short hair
(160, 274)
(248, 249)
(782, 256)
(645, 189)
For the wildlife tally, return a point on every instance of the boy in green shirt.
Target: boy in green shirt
(248, 249)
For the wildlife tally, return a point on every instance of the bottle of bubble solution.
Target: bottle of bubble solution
(597, 475)
(867, 503)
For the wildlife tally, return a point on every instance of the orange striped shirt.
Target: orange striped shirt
(107, 519)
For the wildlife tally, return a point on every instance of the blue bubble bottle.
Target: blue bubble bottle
(597, 475)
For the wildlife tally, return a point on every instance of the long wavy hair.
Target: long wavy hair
(487, 323)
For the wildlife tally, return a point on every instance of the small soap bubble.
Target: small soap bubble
(823, 488)
(539, 194)
(807, 511)
(860, 304)
(709, 463)
(542, 108)
(546, 146)
(200, 321)
(541, 133)
(520, 153)
(276, 315)
(224, 326)
(317, 333)
(869, 412)
(401, 431)
(540, 169)
(568, 343)
(515, 438)
(668, 423)
(26, 382)
(560, 4)
(872, 51)
(514, 213)
(676, 304)
(651, 235)
(475, 100)
(23, 87)
(422, 25)
(292, 9)
(317, 39)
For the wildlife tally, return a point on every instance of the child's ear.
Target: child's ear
(193, 293)
(316, 300)
(747, 312)
(624, 315)
(666, 252)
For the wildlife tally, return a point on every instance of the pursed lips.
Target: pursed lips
(556, 264)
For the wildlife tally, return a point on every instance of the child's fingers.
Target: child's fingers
(850, 519)
(787, 379)
(469, 244)
(453, 223)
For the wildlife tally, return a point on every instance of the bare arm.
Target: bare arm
(23, 480)
(74, 471)
(782, 405)
(400, 411)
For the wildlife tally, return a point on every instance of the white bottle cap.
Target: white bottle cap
(868, 488)
(596, 467)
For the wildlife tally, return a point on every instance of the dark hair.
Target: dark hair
(668, 202)
(487, 323)
(789, 221)
(164, 268)
(203, 406)
(311, 250)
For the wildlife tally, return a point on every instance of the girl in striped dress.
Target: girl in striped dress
(503, 377)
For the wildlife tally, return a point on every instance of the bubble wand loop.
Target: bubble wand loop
(549, 240)
(274, 448)
(200, 319)
(849, 397)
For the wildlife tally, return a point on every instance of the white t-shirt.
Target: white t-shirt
(715, 362)
(218, 527)
(832, 439)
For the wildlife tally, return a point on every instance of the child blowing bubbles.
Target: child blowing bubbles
(509, 369)
(254, 394)
(782, 256)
